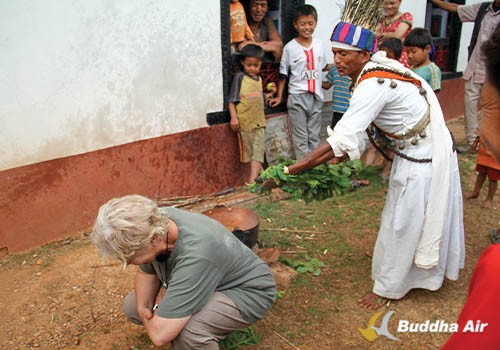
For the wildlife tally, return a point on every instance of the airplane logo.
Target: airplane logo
(371, 332)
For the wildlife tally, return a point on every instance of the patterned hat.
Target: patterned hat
(358, 23)
(347, 36)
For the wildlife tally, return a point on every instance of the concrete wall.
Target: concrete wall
(82, 75)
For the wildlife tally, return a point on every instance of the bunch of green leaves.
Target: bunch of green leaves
(236, 339)
(311, 265)
(317, 183)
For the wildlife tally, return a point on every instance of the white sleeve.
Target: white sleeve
(349, 136)
(285, 61)
(323, 57)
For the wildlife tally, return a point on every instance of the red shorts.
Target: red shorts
(493, 174)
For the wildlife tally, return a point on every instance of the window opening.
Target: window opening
(445, 28)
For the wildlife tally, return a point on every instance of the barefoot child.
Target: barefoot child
(246, 107)
(486, 166)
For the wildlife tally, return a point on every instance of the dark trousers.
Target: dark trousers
(335, 119)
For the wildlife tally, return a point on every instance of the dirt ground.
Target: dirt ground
(63, 296)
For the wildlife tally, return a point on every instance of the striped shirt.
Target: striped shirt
(341, 94)
(432, 74)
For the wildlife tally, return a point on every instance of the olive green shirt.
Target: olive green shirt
(207, 258)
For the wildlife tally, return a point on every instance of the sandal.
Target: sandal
(495, 237)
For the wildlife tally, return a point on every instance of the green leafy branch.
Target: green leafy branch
(319, 183)
(311, 265)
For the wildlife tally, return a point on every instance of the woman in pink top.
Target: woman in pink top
(395, 24)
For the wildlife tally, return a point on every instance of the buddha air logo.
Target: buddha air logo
(371, 332)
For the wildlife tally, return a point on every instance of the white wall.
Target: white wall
(82, 75)
(417, 8)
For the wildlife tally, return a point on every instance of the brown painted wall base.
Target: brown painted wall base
(46, 201)
(451, 98)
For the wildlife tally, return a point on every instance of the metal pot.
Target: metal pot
(242, 222)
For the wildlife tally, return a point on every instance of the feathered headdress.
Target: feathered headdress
(357, 25)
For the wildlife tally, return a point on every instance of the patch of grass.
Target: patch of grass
(267, 208)
(238, 339)
(280, 294)
(467, 165)
(303, 281)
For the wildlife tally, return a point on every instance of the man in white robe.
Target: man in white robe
(421, 237)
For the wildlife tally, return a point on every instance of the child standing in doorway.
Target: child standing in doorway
(246, 107)
(302, 62)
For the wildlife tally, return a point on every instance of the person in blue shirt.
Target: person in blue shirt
(419, 45)
(341, 94)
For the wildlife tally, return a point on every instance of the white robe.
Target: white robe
(407, 256)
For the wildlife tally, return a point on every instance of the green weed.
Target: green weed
(237, 339)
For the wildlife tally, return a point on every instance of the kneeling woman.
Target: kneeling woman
(196, 283)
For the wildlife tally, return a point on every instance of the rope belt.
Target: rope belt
(402, 155)
(417, 130)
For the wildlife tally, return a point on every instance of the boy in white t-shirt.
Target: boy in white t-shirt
(302, 62)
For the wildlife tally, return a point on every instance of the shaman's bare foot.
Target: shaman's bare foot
(372, 301)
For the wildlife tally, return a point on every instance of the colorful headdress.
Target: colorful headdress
(357, 25)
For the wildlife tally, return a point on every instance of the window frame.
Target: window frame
(288, 8)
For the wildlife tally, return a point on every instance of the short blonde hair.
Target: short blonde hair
(126, 225)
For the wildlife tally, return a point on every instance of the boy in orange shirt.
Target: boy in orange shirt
(240, 31)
